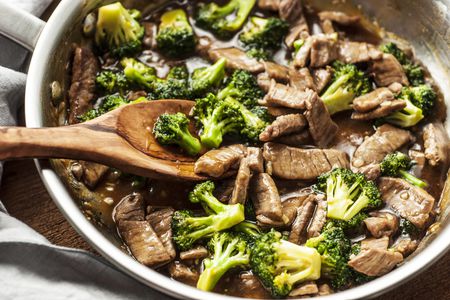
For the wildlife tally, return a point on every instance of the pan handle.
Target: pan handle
(20, 26)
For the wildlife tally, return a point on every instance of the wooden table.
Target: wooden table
(25, 198)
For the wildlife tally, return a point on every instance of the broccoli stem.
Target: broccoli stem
(412, 179)
(189, 143)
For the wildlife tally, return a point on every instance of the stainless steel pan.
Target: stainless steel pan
(423, 22)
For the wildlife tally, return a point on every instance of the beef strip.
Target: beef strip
(395, 87)
(224, 189)
(296, 139)
(340, 18)
(217, 162)
(301, 164)
(301, 79)
(358, 52)
(236, 59)
(320, 217)
(198, 252)
(283, 125)
(385, 140)
(298, 29)
(161, 222)
(371, 243)
(249, 286)
(183, 273)
(265, 197)
(302, 56)
(387, 71)
(324, 50)
(137, 233)
(371, 171)
(419, 159)
(286, 96)
(411, 202)
(301, 222)
(405, 246)
(149, 40)
(383, 110)
(305, 288)
(264, 81)
(272, 5)
(321, 78)
(241, 183)
(291, 204)
(372, 100)
(281, 111)
(382, 224)
(321, 127)
(276, 71)
(82, 89)
(375, 262)
(255, 159)
(92, 173)
(290, 10)
(436, 144)
(325, 289)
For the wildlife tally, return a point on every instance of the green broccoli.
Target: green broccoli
(187, 228)
(174, 129)
(207, 78)
(347, 193)
(229, 250)
(264, 33)
(224, 20)
(354, 225)
(112, 82)
(280, 264)
(118, 30)
(335, 249)
(259, 54)
(109, 103)
(419, 100)
(397, 164)
(413, 71)
(243, 87)
(174, 86)
(175, 36)
(250, 229)
(138, 73)
(347, 84)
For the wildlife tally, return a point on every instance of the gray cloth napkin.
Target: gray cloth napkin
(30, 267)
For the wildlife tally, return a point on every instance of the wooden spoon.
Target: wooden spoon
(121, 139)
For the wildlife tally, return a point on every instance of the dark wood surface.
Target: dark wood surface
(25, 197)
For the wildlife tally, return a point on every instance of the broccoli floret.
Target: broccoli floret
(229, 250)
(243, 87)
(354, 225)
(413, 71)
(347, 84)
(347, 193)
(138, 73)
(250, 229)
(259, 54)
(335, 249)
(419, 104)
(224, 20)
(173, 129)
(118, 31)
(264, 33)
(175, 35)
(280, 264)
(217, 118)
(204, 79)
(397, 164)
(254, 120)
(187, 228)
(112, 82)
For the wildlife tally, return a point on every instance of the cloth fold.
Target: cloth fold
(31, 267)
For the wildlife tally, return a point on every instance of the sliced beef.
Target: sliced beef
(137, 233)
(236, 59)
(301, 164)
(411, 202)
(338, 17)
(149, 40)
(92, 173)
(324, 50)
(320, 217)
(276, 71)
(241, 183)
(281, 111)
(298, 30)
(224, 189)
(322, 78)
(301, 79)
(302, 56)
(436, 143)
(198, 252)
(183, 273)
(161, 222)
(306, 288)
(265, 197)
(204, 44)
(382, 224)
(286, 96)
(383, 110)
(395, 87)
(358, 52)
(296, 139)
(304, 214)
(292, 203)
(372, 100)
(82, 89)
(371, 243)
(371, 171)
(375, 262)
(385, 140)
(419, 159)
(264, 81)
(325, 289)
(290, 10)
(272, 5)
(405, 246)
(217, 162)
(283, 125)
(255, 159)
(387, 71)
(321, 127)
(249, 286)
